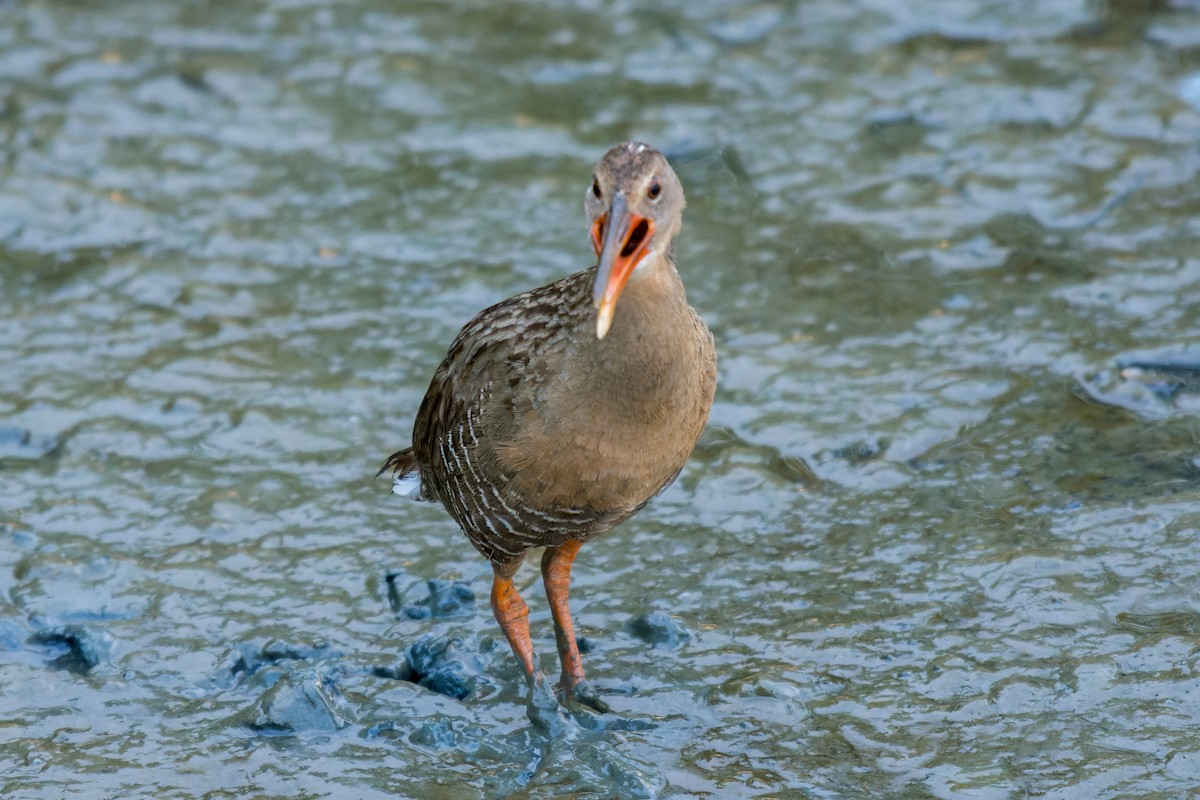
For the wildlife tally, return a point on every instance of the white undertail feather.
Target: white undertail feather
(407, 485)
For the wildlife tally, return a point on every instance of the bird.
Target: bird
(560, 412)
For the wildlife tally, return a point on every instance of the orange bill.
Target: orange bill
(625, 242)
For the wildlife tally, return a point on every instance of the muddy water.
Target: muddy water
(939, 541)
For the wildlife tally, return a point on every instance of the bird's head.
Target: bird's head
(635, 207)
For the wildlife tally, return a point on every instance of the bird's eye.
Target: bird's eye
(655, 189)
(596, 188)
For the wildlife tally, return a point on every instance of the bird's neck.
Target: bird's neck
(652, 340)
(653, 265)
(651, 303)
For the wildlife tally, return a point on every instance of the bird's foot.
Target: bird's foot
(582, 692)
(543, 708)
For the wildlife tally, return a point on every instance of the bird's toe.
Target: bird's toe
(584, 693)
(543, 708)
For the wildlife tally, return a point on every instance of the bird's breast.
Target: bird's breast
(612, 423)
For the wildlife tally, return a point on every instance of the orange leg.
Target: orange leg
(513, 616)
(556, 574)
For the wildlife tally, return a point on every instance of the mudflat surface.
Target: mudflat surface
(940, 540)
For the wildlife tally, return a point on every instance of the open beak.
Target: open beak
(622, 240)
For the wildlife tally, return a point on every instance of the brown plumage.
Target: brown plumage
(557, 414)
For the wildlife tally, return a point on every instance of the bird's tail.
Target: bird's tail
(406, 478)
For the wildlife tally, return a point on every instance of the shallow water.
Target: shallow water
(940, 539)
